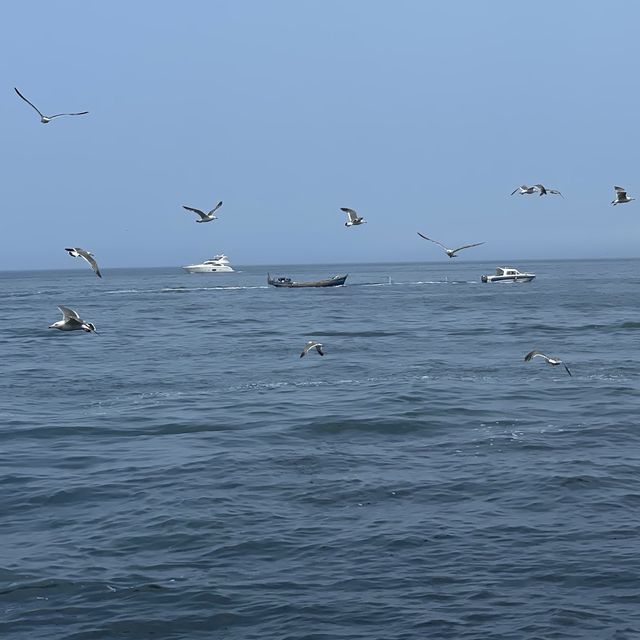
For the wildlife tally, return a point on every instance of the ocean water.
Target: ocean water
(185, 474)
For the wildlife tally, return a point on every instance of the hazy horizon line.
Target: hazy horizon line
(312, 264)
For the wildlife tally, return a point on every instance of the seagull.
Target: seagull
(451, 252)
(77, 252)
(354, 218)
(71, 321)
(524, 189)
(204, 217)
(553, 361)
(543, 191)
(621, 196)
(310, 345)
(44, 119)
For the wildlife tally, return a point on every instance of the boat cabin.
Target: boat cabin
(507, 271)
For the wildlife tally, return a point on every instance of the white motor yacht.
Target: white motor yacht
(217, 264)
(508, 274)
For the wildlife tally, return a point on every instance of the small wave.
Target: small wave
(123, 291)
(422, 282)
(394, 426)
(370, 284)
(552, 328)
(190, 289)
(185, 289)
(359, 334)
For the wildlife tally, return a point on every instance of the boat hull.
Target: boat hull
(523, 277)
(287, 283)
(208, 269)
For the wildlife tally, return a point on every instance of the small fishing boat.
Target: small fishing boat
(508, 274)
(288, 283)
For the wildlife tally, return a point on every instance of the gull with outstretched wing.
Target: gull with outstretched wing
(312, 344)
(353, 219)
(45, 119)
(450, 252)
(71, 321)
(621, 196)
(552, 360)
(544, 191)
(524, 190)
(77, 252)
(204, 217)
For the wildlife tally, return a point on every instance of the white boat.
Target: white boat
(508, 274)
(217, 264)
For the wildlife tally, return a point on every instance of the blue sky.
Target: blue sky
(420, 115)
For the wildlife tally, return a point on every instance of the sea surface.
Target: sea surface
(184, 474)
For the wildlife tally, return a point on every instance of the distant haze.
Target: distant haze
(422, 116)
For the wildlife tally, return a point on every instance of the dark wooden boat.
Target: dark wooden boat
(288, 283)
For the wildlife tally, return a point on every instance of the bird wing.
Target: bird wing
(621, 192)
(319, 349)
(91, 260)
(215, 208)
(432, 240)
(555, 192)
(57, 115)
(524, 187)
(350, 212)
(68, 314)
(466, 246)
(541, 188)
(567, 368)
(533, 354)
(27, 101)
(202, 214)
(310, 345)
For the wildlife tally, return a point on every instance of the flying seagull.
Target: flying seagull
(310, 345)
(543, 191)
(44, 119)
(204, 217)
(553, 361)
(71, 321)
(621, 196)
(77, 252)
(451, 252)
(354, 218)
(524, 189)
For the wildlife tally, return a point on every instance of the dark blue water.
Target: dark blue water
(185, 474)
